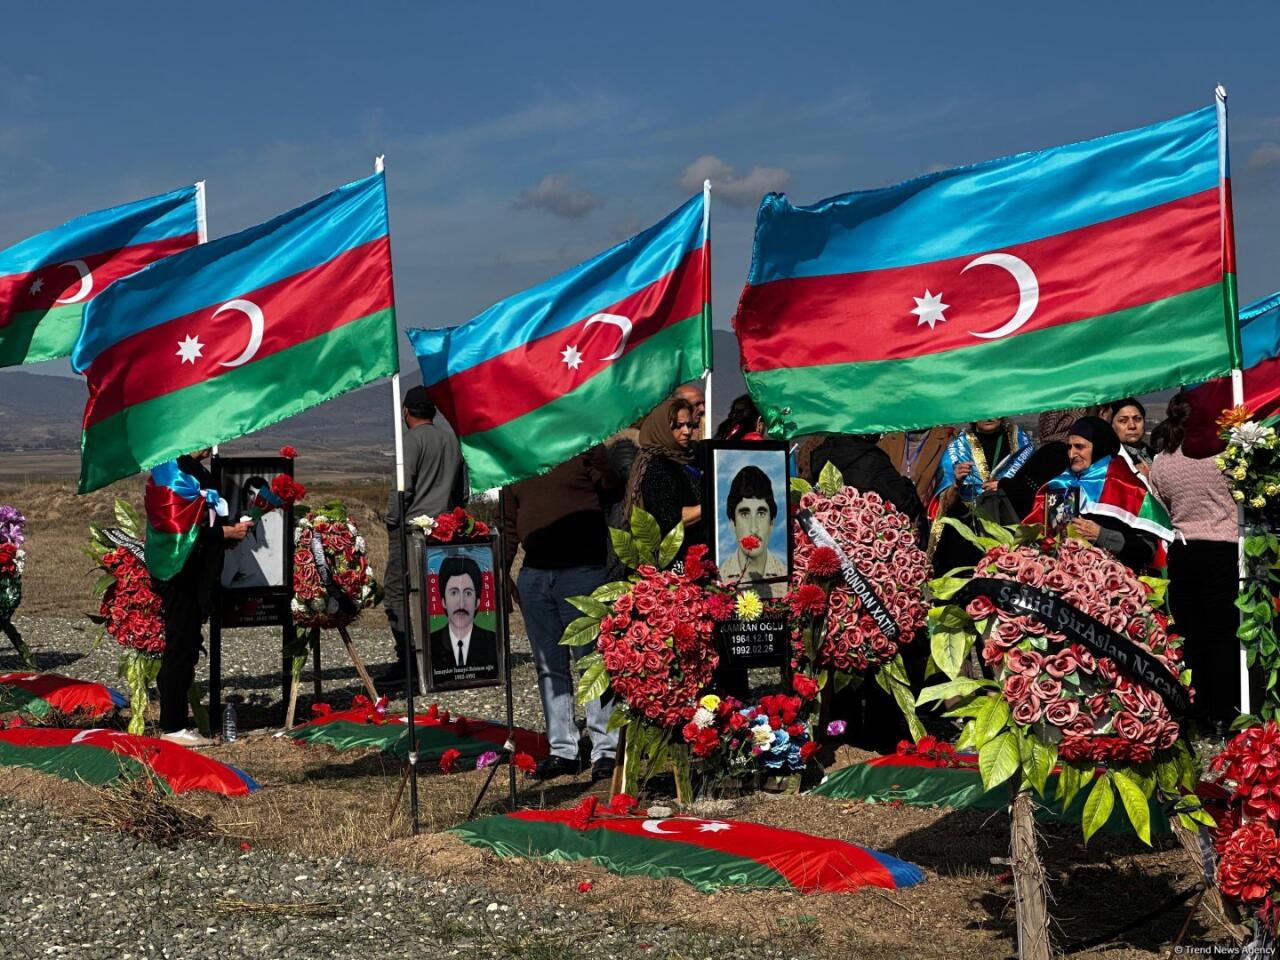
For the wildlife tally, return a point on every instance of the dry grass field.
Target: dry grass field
(338, 806)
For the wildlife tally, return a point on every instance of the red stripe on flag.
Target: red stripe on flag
(353, 284)
(167, 512)
(526, 377)
(808, 862)
(1229, 235)
(57, 281)
(1100, 269)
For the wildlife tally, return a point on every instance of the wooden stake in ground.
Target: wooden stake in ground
(1029, 887)
(313, 641)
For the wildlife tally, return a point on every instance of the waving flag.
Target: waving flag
(1061, 278)
(709, 854)
(47, 280)
(543, 375)
(239, 333)
(174, 504)
(1260, 340)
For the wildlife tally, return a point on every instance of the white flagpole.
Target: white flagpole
(378, 167)
(706, 280)
(1237, 375)
(202, 236)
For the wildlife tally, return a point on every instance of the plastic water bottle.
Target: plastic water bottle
(229, 729)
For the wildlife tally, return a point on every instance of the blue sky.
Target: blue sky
(522, 138)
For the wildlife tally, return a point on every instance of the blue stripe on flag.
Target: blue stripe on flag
(904, 874)
(1260, 330)
(234, 266)
(171, 214)
(988, 206)
(563, 300)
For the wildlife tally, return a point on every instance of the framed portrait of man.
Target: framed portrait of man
(457, 636)
(257, 573)
(751, 542)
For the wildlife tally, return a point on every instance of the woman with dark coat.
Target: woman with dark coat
(666, 479)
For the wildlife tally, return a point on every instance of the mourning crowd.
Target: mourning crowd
(1075, 464)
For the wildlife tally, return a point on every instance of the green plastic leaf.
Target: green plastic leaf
(998, 760)
(102, 584)
(830, 480)
(580, 632)
(589, 660)
(670, 546)
(982, 543)
(1040, 761)
(592, 608)
(965, 741)
(618, 719)
(900, 690)
(944, 588)
(948, 648)
(611, 591)
(1068, 784)
(959, 687)
(1098, 806)
(647, 534)
(127, 519)
(992, 720)
(840, 680)
(593, 684)
(800, 486)
(995, 531)
(624, 545)
(1135, 804)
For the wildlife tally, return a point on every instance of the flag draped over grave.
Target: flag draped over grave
(709, 854)
(39, 694)
(48, 280)
(546, 373)
(238, 333)
(1058, 278)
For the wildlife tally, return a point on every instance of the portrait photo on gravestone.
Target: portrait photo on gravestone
(749, 493)
(462, 648)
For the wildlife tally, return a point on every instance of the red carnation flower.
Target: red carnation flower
(750, 542)
(288, 452)
(448, 759)
(806, 687)
(824, 562)
(524, 763)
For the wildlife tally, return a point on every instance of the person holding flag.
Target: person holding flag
(187, 531)
(1100, 498)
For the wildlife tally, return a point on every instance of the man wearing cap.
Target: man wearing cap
(434, 483)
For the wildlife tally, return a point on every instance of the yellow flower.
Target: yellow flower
(1271, 489)
(710, 701)
(1239, 473)
(1258, 503)
(749, 605)
(1220, 463)
(1238, 495)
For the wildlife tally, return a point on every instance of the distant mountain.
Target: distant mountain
(42, 414)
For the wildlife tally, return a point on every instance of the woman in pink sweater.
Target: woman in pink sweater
(1203, 575)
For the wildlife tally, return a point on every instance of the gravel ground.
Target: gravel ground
(251, 667)
(65, 891)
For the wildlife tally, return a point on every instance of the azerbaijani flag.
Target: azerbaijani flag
(173, 502)
(41, 694)
(238, 333)
(1058, 278)
(709, 854)
(1110, 488)
(1260, 340)
(545, 374)
(47, 280)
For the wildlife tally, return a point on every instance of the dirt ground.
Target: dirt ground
(318, 802)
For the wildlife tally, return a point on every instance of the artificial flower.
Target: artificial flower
(486, 759)
(288, 452)
(749, 605)
(448, 759)
(750, 542)
(524, 763)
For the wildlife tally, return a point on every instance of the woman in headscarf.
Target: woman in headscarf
(1049, 459)
(1129, 420)
(972, 466)
(1103, 500)
(665, 479)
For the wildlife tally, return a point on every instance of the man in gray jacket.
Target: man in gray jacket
(434, 483)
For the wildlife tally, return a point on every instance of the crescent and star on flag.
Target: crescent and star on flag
(190, 349)
(704, 826)
(572, 357)
(929, 308)
(84, 282)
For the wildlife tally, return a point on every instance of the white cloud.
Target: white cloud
(557, 194)
(1267, 155)
(726, 185)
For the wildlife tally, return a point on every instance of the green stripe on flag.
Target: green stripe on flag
(593, 411)
(14, 699)
(75, 761)
(240, 401)
(1152, 347)
(707, 870)
(166, 553)
(38, 335)
(393, 737)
